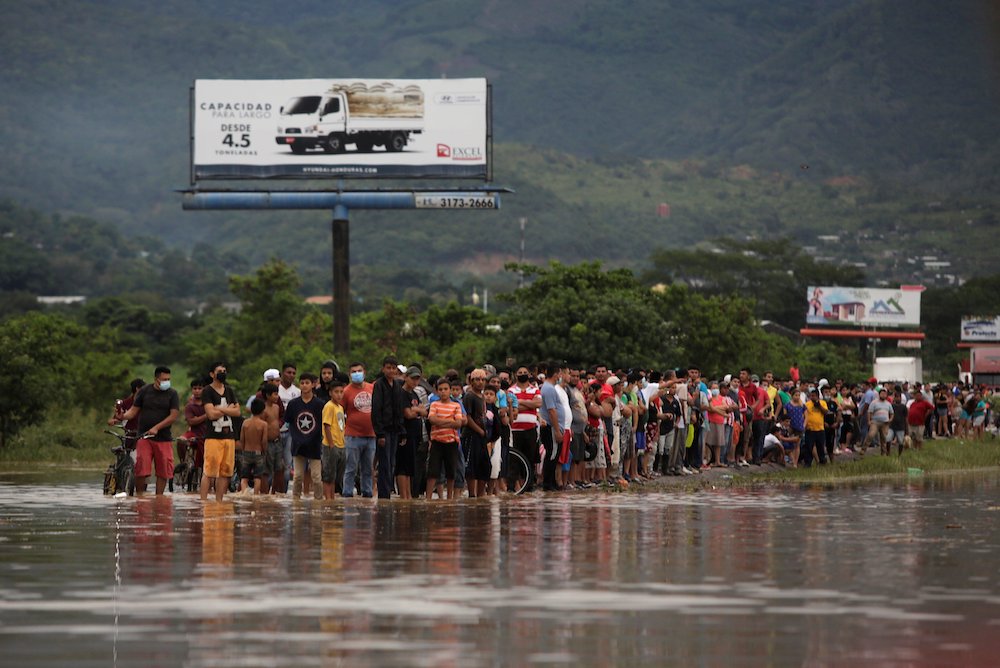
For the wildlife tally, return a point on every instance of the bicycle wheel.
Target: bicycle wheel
(109, 481)
(193, 479)
(518, 472)
(128, 481)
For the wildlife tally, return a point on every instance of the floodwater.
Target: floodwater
(900, 574)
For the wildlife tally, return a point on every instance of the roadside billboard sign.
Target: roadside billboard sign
(863, 307)
(981, 328)
(986, 360)
(340, 128)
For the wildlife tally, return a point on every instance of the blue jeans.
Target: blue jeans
(386, 464)
(360, 455)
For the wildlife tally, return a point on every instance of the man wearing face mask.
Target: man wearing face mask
(524, 431)
(157, 406)
(359, 433)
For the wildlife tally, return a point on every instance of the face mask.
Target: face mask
(164, 385)
(221, 376)
(643, 383)
(522, 378)
(357, 376)
(715, 391)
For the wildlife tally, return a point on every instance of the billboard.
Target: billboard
(986, 359)
(863, 307)
(340, 128)
(981, 328)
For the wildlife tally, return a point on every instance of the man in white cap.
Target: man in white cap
(271, 376)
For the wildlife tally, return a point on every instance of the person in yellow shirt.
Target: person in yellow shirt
(815, 437)
(334, 453)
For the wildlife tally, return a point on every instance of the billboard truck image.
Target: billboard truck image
(381, 116)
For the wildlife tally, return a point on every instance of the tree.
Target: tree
(583, 314)
(718, 333)
(35, 354)
(942, 310)
(775, 273)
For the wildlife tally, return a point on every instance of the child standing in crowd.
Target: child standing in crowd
(446, 419)
(334, 452)
(304, 417)
(253, 438)
(274, 459)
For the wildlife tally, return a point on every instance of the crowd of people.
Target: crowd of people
(399, 433)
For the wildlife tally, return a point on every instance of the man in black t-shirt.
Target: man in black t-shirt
(413, 411)
(477, 472)
(157, 406)
(223, 411)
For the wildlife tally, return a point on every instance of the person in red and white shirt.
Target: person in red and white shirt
(524, 429)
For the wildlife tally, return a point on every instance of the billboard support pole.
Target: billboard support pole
(341, 282)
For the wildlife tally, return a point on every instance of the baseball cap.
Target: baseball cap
(272, 374)
(614, 380)
(413, 372)
(402, 369)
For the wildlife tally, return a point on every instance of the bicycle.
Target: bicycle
(120, 475)
(518, 470)
(187, 474)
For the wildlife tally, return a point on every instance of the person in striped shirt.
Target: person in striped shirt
(524, 430)
(445, 416)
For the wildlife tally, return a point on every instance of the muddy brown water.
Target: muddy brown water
(895, 574)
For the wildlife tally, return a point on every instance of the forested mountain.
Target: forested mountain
(874, 119)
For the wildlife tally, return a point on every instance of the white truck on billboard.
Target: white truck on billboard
(382, 115)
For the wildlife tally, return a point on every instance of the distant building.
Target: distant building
(320, 300)
(61, 299)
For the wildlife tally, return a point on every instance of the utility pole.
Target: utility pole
(341, 282)
(523, 220)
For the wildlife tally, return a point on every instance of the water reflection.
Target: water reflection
(896, 574)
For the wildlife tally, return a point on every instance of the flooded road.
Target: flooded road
(898, 574)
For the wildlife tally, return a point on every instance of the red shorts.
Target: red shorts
(148, 452)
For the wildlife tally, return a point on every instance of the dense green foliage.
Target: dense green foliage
(48, 362)
(776, 274)
(585, 315)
